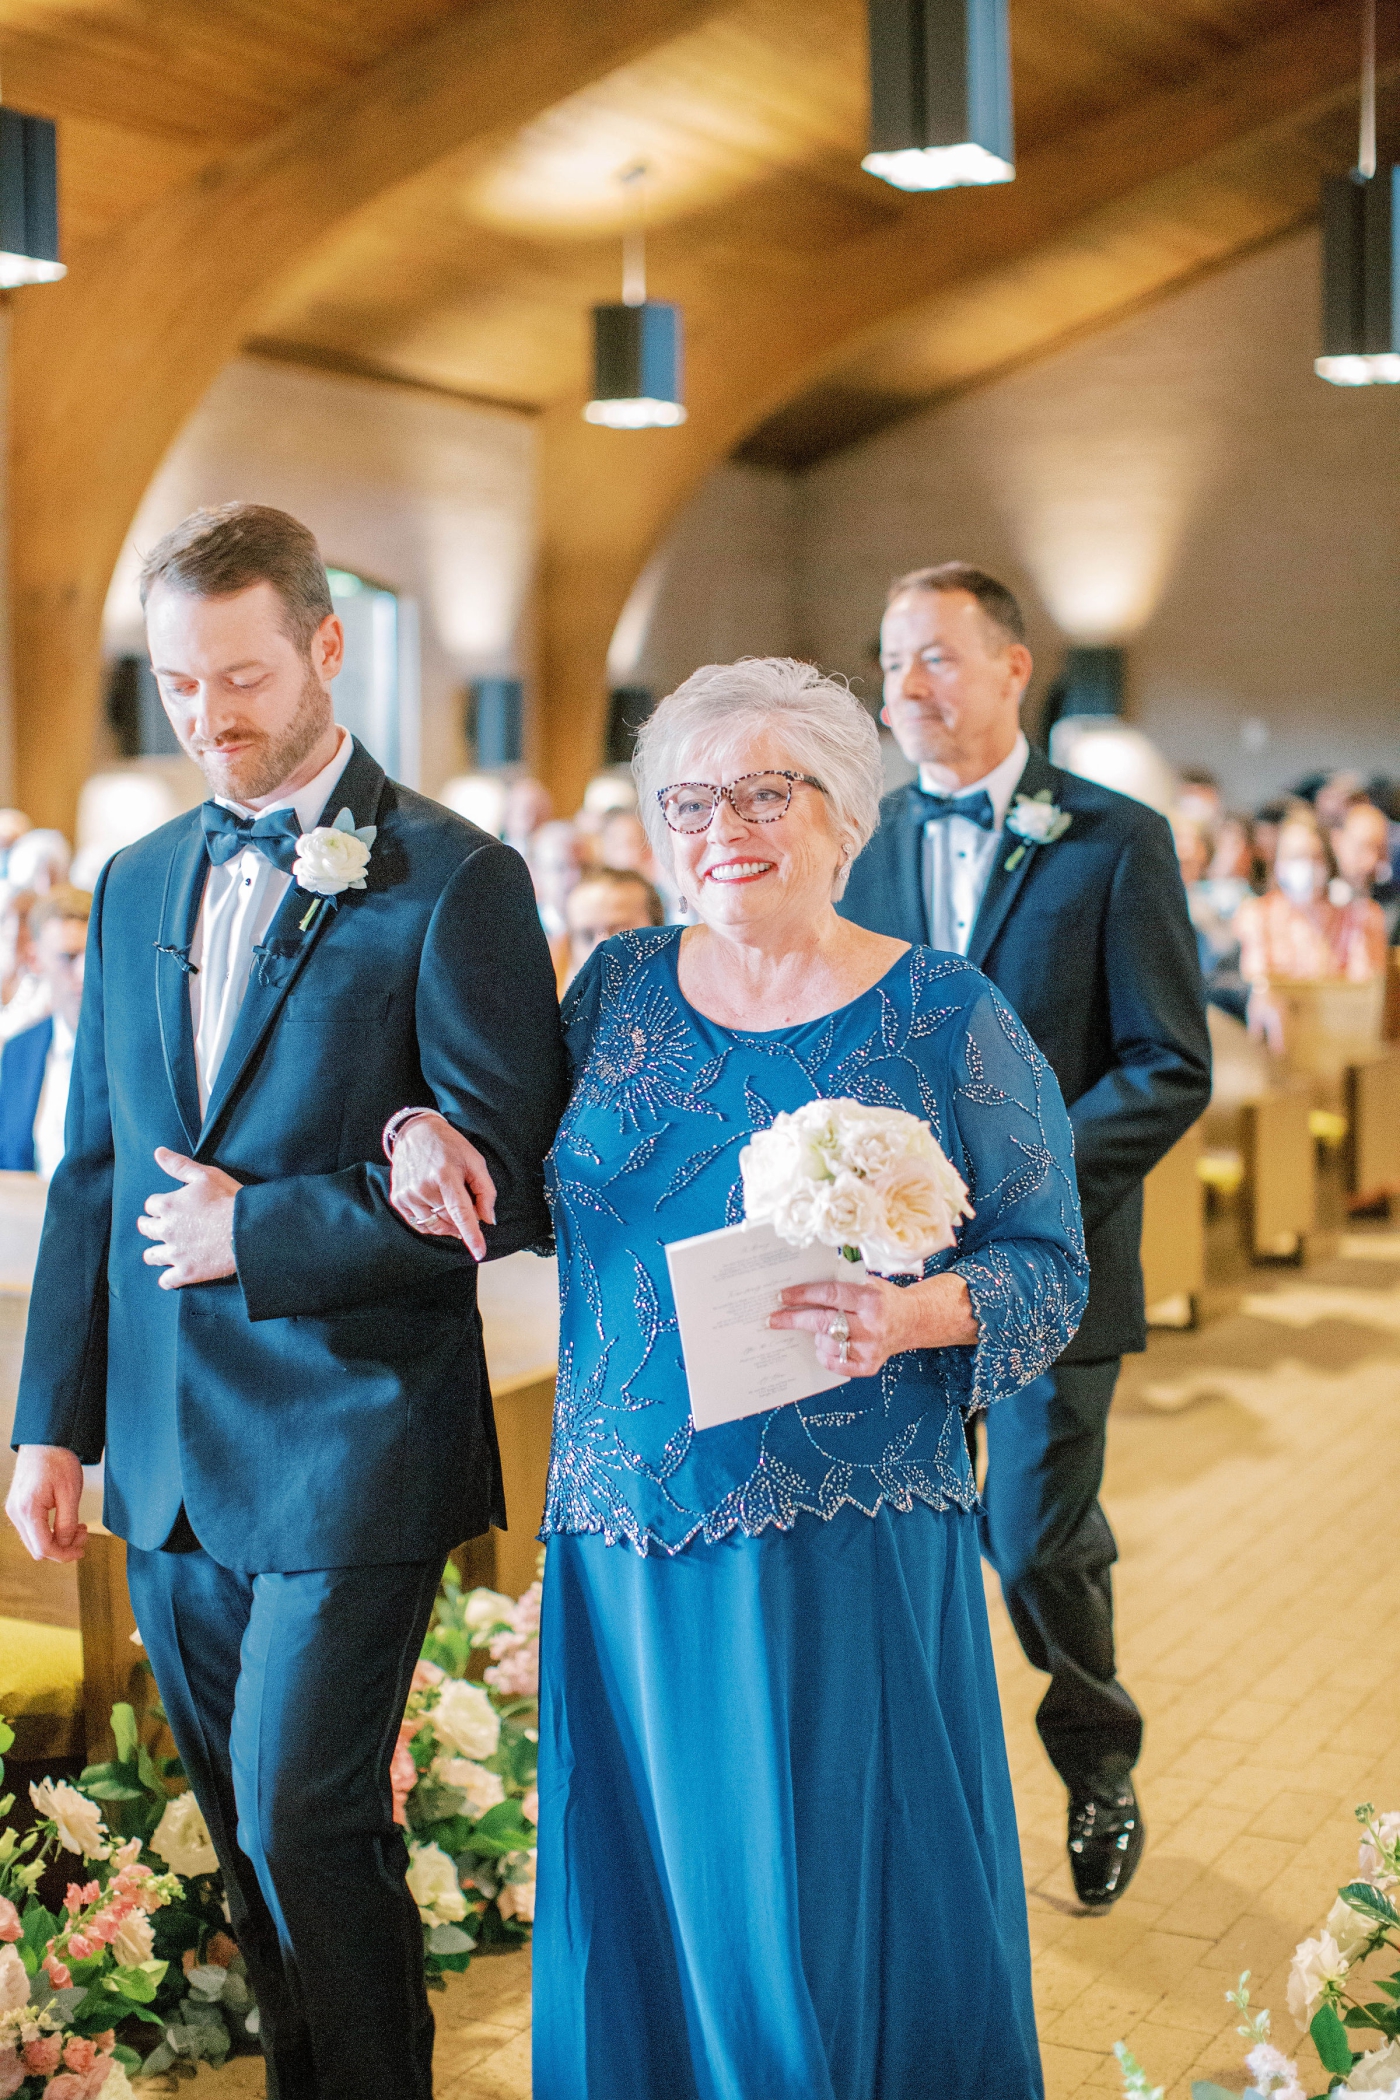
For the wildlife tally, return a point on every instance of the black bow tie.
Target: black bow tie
(274, 835)
(974, 809)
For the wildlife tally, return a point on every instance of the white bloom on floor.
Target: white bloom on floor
(1349, 1928)
(79, 1821)
(135, 1941)
(181, 1838)
(485, 1609)
(14, 1982)
(1315, 1964)
(479, 1788)
(1376, 1858)
(465, 1719)
(517, 1897)
(432, 1883)
(1377, 2072)
(1271, 2071)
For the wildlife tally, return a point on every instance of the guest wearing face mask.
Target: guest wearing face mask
(1361, 847)
(1295, 932)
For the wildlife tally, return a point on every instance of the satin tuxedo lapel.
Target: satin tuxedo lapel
(287, 946)
(1003, 886)
(184, 889)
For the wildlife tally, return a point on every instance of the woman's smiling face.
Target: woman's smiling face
(740, 873)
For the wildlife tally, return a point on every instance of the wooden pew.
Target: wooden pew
(1280, 1175)
(113, 1665)
(1174, 1235)
(1373, 1127)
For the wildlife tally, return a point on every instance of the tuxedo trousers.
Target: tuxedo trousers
(284, 1694)
(1046, 1535)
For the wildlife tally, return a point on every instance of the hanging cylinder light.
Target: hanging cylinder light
(940, 94)
(638, 348)
(1361, 253)
(28, 200)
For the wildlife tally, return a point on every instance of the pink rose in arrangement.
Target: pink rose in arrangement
(41, 2058)
(425, 1676)
(403, 1773)
(10, 1927)
(56, 1972)
(80, 2052)
(67, 2086)
(12, 2073)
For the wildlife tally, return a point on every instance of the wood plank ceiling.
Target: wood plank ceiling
(1155, 139)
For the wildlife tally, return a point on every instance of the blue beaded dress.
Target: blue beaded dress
(777, 1845)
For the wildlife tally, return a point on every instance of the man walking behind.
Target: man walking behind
(1068, 897)
(287, 1382)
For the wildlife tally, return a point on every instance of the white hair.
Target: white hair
(822, 727)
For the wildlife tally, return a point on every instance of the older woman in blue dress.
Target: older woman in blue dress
(777, 1843)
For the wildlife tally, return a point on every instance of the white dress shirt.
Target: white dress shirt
(52, 1112)
(958, 855)
(239, 903)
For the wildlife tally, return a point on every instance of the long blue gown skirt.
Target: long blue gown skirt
(777, 1844)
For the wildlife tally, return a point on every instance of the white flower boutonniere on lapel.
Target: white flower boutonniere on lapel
(1035, 821)
(332, 858)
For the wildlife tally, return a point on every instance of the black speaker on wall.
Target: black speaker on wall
(496, 721)
(1091, 683)
(138, 721)
(628, 708)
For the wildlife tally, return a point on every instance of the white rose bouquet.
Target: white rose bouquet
(871, 1181)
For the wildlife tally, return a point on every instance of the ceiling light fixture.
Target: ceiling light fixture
(28, 200)
(637, 346)
(940, 94)
(1361, 253)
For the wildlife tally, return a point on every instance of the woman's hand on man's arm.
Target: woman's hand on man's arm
(883, 1319)
(441, 1185)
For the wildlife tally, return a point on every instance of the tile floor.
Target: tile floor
(1251, 1485)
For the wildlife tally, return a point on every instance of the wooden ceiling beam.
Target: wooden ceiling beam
(106, 366)
(607, 497)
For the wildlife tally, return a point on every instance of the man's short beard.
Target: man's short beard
(253, 775)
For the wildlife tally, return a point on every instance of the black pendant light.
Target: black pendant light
(28, 200)
(637, 347)
(1361, 254)
(940, 94)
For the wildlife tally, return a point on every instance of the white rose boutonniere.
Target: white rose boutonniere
(1035, 821)
(332, 858)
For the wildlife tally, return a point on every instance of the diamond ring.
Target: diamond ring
(840, 1332)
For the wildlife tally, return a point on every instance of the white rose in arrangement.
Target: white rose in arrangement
(517, 1896)
(1377, 1859)
(487, 1608)
(116, 2085)
(1316, 1964)
(1270, 2069)
(479, 1788)
(181, 1838)
(14, 1983)
(465, 1719)
(432, 1883)
(135, 1941)
(80, 1825)
(1377, 2072)
(1349, 1928)
(916, 1213)
(848, 1175)
(846, 1211)
(333, 857)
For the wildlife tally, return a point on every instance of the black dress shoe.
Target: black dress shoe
(1106, 1837)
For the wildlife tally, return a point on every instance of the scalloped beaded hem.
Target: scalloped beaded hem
(646, 1541)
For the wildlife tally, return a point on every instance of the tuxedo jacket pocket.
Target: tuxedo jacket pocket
(340, 1009)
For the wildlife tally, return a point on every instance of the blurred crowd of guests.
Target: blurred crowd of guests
(594, 873)
(1305, 890)
(43, 934)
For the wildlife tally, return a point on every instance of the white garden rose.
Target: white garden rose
(14, 1981)
(181, 1838)
(330, 860)
(465, 1719)
(845, 1211)
(485, 1609)
(135, 1941)
(1377, 2072)
(1039, 821)
(479, 1788)
(915, 1215)
(1349, 1928)
(432, 1883)
(79, 1821)
(1315, 1964)
(517, 1896)
(116, 2085)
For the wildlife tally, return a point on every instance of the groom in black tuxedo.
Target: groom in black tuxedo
(288, 1384)
(1069, 898)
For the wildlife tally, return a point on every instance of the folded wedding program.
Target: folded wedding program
(725, 1285)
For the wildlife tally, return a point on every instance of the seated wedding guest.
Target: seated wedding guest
(528, 804)
(39, 861)
(607, 901)
(1361, 848)
(13, 825)
(777, 1841)
(1294, 932)
(614, 788)
(1217, 949)
(37, 1064)
(1199, 796)
(1333, 796)
(24, 995)
(623, 843)
(1230, 876)
(1266, 828)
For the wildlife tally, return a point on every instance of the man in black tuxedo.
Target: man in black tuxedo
(287, 1383)
(1068, 896)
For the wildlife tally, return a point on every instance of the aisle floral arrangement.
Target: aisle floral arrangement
(872, 1181)
(464, 1775)
(1328, 1995)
